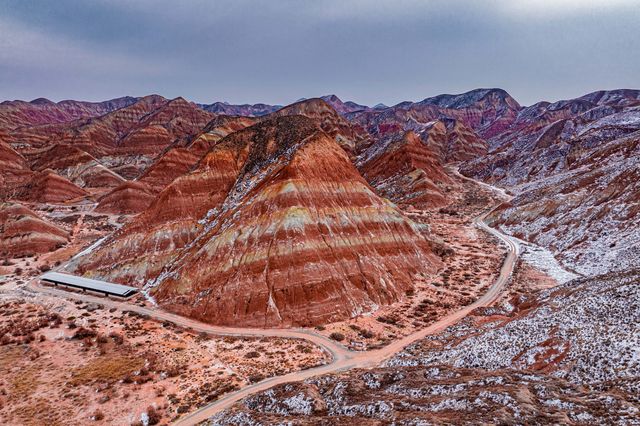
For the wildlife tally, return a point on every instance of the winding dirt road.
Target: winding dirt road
(341, 358)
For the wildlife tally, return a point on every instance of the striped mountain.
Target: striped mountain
(275, 227)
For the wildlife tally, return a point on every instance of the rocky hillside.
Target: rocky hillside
(15, 114)
(408, 172)
(258, 221)
(575, 179)
(485, 112)
(24, 233)
(247, 110)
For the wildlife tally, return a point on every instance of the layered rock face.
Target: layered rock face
(24, 233)
(341, 107)
(125, 140)
(483, 112)
(408, 172)
(128, 198)
(487, 111)
(277, 228)
(247, 110)
(175, 162)
(49, 187)
(463, 144)
(78, 166)
(14, 170)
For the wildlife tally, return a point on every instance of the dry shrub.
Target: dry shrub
(107, 369)
(97, 416)
(337, 336)
(154, 415)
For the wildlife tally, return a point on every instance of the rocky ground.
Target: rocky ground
(562, 355)
(67, 363)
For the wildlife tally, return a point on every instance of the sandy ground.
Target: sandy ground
(66, 363)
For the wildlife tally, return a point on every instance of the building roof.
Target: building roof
(89, 284)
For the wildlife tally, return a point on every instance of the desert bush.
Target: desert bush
(97, 416)
(252, 354)
(337, 336)
(153, 415)
(82, 333)
(255, 378)
(367, 334)
(304, 349)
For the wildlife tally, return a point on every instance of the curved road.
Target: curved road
(342, 358)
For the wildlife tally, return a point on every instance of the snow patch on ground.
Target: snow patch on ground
(544, 260)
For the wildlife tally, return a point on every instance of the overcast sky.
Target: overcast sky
(281, 50)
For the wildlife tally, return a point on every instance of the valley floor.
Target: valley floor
(70, 359)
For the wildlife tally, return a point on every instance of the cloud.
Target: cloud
(563, 8)
(279, 51)
(22, 46)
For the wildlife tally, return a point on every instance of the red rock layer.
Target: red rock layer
(463, 144)
(487, 112)
(126, 140)
(23, 233)
(170, 221)
(343, 108)
(13, 171)
(172, 164)
(128, 198)
(409, 172)
(217, 129)
(290, 233)
(48, 187)
(76, 165)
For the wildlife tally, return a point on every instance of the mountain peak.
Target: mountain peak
(467, 99)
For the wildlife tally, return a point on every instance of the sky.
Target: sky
(279, 51)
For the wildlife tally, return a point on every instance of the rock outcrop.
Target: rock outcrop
(48, 187)
(128, 198)
(24, 233)
(76, 165)
(349, 136)
(14, 114)
(487, 112)
(408, 172)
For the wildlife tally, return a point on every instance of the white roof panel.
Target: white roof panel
(89, 284)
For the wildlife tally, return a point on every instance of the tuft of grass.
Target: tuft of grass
(106, 369)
